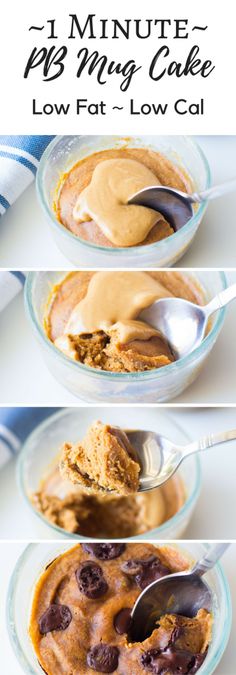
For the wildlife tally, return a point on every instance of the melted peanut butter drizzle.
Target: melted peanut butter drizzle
(117, 298)
(105, 201)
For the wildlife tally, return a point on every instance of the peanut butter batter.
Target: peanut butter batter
(80, 615)
(93, 198)
(94, 318)
(104, 516)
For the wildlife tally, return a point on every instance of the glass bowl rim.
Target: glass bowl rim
(157, 531)
(156, 373)
(10, 604)
(159, 246)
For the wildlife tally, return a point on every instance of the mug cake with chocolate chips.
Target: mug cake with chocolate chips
(81, 614)
(94, 318)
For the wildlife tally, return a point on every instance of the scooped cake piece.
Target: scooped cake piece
(145, 349)
(104, 461)
(136, 346)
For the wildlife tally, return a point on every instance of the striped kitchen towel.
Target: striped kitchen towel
(11, 283)
(15, 426)
(19, 160)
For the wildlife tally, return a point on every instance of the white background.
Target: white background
(8, 557)
(215, 512)
(26, 380)
(27, 242)
(217, 43)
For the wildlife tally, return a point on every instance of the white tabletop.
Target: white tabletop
(25, 379)
(26, 240)
(8, 557)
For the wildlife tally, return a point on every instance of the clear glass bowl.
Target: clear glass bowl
(32, 563)
(42, 446)
(65, 151)
(93, 385)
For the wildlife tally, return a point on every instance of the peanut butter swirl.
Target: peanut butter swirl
(105, 200)
(112, 298)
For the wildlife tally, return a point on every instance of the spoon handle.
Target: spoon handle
(210, 559)
(220, 300)
(208, 441)
(215, 191)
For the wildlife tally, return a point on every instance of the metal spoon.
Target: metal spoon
(176, 206)
(160, 457)
(182, 593)
(183, 323)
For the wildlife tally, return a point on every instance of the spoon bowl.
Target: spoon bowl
(181, 593)
(159, 457)
(182, 323)
(174, 205)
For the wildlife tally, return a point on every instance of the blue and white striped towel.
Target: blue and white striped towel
(11, 283)
(19, 160)
(15, 425)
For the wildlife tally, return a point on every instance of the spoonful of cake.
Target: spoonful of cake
(176, 206)
(113, 460)
(183, 323)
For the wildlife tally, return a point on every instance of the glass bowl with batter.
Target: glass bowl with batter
(35, 559)
(159, 514)
(57, 165)
(93, 384)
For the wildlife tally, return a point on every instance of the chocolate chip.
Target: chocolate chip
(122, 621)
(175, 635)
(157, 661)
(85, 336)
(197, 662)
(132, 567)
(104, 551)
(149, 658)
(155, 570)
(135, 566)
(145, 570)
(103, 658)
(171, 660)
(56, 617)
(90, 579)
